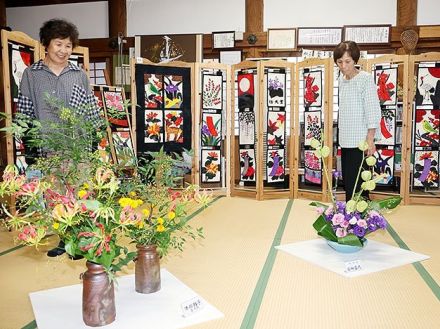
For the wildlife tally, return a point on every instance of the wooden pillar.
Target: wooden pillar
(254, 15)
(117, 18)
(406, 13)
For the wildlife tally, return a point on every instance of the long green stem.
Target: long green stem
(359, 173)
(328, 181)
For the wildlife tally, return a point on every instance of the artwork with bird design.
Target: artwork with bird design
(427, 128)
(428, 86)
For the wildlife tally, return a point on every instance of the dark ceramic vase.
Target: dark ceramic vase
(98, 305)
(147, 269)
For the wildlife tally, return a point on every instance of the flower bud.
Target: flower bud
(361, 205)
(350, 206)
(325, 151)
(315, 143)
(363, 146)
(318, 154)
(371, 161)
(366, 175)
(370, 185)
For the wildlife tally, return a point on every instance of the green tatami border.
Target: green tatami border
(423, 272)
(254, 305)
(11, 250)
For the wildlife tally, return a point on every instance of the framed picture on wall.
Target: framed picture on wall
(222, 40)
(322, 36)
(368, 34)
(281, 39)
(230, 57)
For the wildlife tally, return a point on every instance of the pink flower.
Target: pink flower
(341, 232)
(329, 211)
(337, 219)
(362, 223)
(320, 210)
(344, 224)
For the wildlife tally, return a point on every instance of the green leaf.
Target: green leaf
(325, 229)
(351, 240)
(90, 204)
(318, 204)
(388, 203)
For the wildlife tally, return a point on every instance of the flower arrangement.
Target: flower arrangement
(349, 222)
(83, 200)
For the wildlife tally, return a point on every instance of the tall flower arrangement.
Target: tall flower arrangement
(350, 222)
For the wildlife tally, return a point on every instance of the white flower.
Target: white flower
(350, 206)
(315, 143)
(371, 161)
(366, 175)
(353, 220)
(361, 205)
(363, 146)
(325, 151)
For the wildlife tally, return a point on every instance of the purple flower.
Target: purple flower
(205, 130)
(359, 231)
(337, 174)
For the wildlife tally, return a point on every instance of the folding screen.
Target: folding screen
(212, 127)
(313, 119)
(163, 107)
(422, 158)
(260, 152)
(18, 52)
(390, 76)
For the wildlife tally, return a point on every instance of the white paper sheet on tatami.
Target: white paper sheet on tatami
(374, 257)
(62, 307)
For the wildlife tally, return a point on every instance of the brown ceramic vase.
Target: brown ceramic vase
(147, 269)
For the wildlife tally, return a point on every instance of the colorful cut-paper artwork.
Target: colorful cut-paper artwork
(387, 128)
(247, 165)
(212, 96)
(276, 132)
(20, 59)
(427, 131)
(98, 98)
(211, 166)
(426, 169)
(386, 82)
(173, 126)
(116, 112)
(153, 90)
(173, 91)
(103, 149)
(312, 168)
(246, 128)
(313, 88)
(276, 89)
(246, 90)
(123, 146)
(384, 165)
(275, 166)
(428, 86)
(211, 129)
(312, 126)
(153, 126)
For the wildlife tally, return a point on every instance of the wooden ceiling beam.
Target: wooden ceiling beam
(32, 3)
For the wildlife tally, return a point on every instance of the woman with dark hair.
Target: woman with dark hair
(359, 113)
(54, 81)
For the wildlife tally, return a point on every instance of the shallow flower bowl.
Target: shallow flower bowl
(345, 248)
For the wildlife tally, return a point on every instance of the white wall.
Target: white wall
(428, 12)
(184, 16)
(91, 18)
(205, 16)
(328, 13)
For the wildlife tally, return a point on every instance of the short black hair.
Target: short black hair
(349, 47)
(58, 28)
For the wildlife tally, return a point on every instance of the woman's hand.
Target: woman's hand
(370, 141)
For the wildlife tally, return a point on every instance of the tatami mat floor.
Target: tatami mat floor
(236, 269)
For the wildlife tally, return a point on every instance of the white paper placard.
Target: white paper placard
(62, 307)
(374, 257)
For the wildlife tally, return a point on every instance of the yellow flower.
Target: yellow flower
(315, 143)
(363, 146)
(160, 221)
(86, 186)
(132, 194)
(123, 202)
(82, 194)
(325, 151)
(160, 228)
(371, 161)
(366, 175)
(171, 215)
(140, 224)
(146, 212)
(361, 206)
(350, 206)
(56, 225)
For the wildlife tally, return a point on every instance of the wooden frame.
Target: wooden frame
(223, 40)
(319, 36)
(200, 68)
(411, 197)
(327, 111)
(19, 38)
(402, 61)
(368, 34)
(177, 64)
(281, 39)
